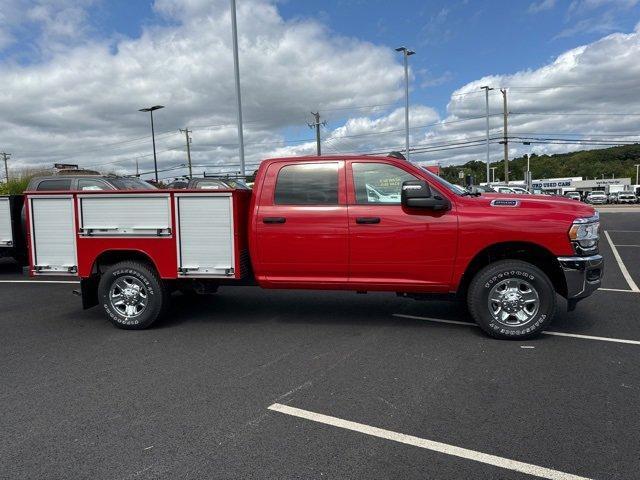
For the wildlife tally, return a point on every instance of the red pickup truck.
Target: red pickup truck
(358, 223)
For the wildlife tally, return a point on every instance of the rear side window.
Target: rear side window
(57, 184)
(307, 184)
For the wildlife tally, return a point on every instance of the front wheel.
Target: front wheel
(512, 299)
(132, 295)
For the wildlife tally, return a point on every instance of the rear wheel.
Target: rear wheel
(512, 299)
(132, 295)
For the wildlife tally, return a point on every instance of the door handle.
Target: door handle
(367, 220)
(274, 220)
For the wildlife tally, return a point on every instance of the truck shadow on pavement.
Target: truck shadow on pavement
(253, 305)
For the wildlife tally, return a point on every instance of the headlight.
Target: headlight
(585, 233)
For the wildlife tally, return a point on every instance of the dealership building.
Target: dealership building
(571, 184)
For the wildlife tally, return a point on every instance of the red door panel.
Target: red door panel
(410, 248)
(303, 244)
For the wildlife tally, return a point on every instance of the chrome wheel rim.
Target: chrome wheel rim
(128, 296)
(513, 302)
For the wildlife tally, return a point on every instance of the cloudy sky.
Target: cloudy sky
(74, 73)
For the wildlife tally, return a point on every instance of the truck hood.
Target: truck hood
(539, 202)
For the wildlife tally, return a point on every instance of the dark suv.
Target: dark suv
(87, 182)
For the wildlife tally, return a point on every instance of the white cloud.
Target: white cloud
(89, 96)
(589, 90)
(541, 6)
(51, 25)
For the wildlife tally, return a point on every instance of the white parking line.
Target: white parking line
(616, 290)
(623, 269)
(559, 334)
(434, 446)
(39, 281)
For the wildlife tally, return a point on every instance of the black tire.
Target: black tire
(528, 278)
(147, 282)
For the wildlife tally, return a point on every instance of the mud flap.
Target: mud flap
(89, 291)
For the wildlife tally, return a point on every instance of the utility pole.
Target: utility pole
(406, 53)
(505, 140)
(6, 168)
(236, 71)
(637, 165)
(493, 174)
(528, 179)
(316, 124)
(137, 169)
(188, 139)
(486, 97)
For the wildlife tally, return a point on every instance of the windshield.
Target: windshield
(131, 184)
(441, 181)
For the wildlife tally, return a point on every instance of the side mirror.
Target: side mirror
(417, 194)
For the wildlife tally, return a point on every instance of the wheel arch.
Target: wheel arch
(110, 257)
(524, 251)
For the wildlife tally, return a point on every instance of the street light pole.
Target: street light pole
(236, 71)
(405, 55)
(153, 136)
(486, 97)
(637, 165)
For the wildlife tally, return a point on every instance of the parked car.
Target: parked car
(512, 190)
(304, 226)
(596, 198)
(178, 184)
(209, 183)
(627, 197)
(484, 189)
(573, 195)
(612, 197)
(217, 183)
(87, 182)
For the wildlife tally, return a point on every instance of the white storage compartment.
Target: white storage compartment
(6, 230)
(137, 215)
(205, 234)
(53, 238)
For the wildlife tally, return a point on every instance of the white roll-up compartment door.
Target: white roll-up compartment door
(138, 215)
(205, 234)
(53, 236)
(6, 230)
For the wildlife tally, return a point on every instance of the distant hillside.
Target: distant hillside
(617, 161)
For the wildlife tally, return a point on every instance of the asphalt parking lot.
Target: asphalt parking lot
(286, 384)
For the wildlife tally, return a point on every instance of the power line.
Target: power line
(578, 113)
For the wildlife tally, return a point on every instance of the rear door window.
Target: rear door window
(307, 184)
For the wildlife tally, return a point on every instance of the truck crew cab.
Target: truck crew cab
(357, 223)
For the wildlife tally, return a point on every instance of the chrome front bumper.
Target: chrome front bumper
(583, 276)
